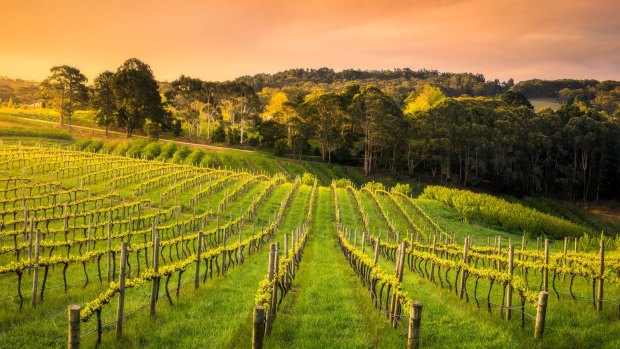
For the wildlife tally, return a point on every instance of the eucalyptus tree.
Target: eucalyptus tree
(65, 89)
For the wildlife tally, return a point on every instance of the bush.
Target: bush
(219, 135)
(152, 150)
(152, 130)
(343, 182)
(181, 154)
(94, 146)
(308, 179)
(402, 188)
(195, 157)
(108, 147)
(372, 186)
(135, 149)
(168, 150)
(280, 148)
(81, 145)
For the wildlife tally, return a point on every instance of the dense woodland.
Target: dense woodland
(452, 128)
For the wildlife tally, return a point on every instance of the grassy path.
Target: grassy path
(328, 307)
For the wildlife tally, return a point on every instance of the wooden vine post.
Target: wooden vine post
(198, 253)
(541, 312)
(601, 271)
(109, 251)
(463, 271)
(155, 288)
(415, 318)
(35, 277)
(377, 243)
(546, 267)
(400, 264)
(511, 254)
(271, 275)
(258, 331)
(74, 327)
(120, 310)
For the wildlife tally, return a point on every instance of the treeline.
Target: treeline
(602, 95)
(398, 83)
(403, 121)
(18, 92)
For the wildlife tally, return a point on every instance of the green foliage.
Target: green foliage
(135, 150)
(343, 183)
(402, 188)
(34, 132)
(308, 179)
(137, 96)
(168, 150)
(181, 154)
(492, 210)
(423, 100)
(81, 145)
(280, 147)
(152, 150)
(94, 146)
(65, 89)
(195, 157)
(152, 130)
(373, 186)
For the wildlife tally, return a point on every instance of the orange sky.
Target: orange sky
(220, 40)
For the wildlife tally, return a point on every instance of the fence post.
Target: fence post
(378, 242)
(546, 267)
(120, 310)
(286, 245)
(155, 288)
(270, 274)
(110, 250)
(198, 253)
(74, 327)
(364, 242)
(463, 271)
(415, 318)
(599, 303)
(541, 311)
(35, 277)
(511, 253)
(258, 332)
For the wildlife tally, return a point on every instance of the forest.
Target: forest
(449, 128)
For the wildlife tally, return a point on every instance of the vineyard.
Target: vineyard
(128, 252)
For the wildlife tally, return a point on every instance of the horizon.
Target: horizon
(212, 41)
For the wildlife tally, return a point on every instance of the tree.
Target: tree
(103, 99)
(423, 99)
(516, 99)
(187, 101)
(325, 112)
(137, 96)
(65, 89)
(377, 116)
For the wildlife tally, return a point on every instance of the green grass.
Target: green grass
(328, 307)
(540, 103)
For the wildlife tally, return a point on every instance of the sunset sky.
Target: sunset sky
(220, 40)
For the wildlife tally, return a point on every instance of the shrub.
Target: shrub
(168, 150)
(81, 145)
(152, 150)
(308, 178)
(402, 188)
(94, 146)
(219, 135)
(181, 154)
(135, 150)
(280, 148)
(195, 157)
